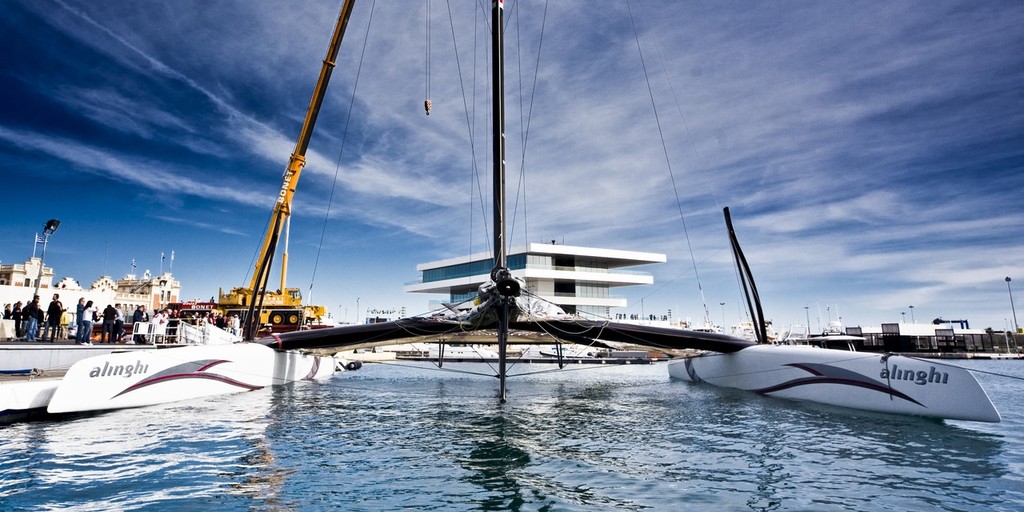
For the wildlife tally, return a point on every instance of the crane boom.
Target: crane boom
(281, 212)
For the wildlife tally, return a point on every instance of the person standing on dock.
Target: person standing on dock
(30, 316)
(88, 317)
(53, 312)
(139, 317)
(65, 322)
(159, 329)
(79, 315)
(109, 315)
(16, 316)
(118, 324)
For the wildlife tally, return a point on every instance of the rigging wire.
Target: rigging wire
(470, 115)
(668, 162)
(525, 134)
(341, 151)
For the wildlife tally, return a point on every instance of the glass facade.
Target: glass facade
(473, 268)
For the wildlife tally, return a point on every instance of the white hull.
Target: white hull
(48, 356)
(21, 398)
(858, 380)
(148, 377)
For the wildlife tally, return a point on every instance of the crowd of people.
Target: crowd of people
(32, 322)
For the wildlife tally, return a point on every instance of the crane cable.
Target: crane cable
(426, 87)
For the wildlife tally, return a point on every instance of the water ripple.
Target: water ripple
(622, 438)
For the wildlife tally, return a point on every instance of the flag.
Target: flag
(161, 256)
(172, 255)
(133, 263)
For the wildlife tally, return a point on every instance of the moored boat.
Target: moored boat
(873, 382)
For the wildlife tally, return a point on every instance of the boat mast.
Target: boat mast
(506, 286)
(498, 144)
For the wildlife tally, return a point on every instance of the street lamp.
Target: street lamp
(48, 229)
(904, 315)
(912, 315)
(1015, 326)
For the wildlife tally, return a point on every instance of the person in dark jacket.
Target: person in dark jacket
(140, 320)
(53, 312)
(30, 317)
(109, 316)
(16, 316)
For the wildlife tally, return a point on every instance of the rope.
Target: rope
(526, 131)
(469, 127)
(341, 151)
(668, 163)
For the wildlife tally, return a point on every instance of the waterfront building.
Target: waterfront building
(18, 281)
(943, 337)
(25, 274)
(578, 279)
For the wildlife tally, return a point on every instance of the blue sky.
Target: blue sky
(871, 152)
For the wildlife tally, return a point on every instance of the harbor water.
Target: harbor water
(397, 436)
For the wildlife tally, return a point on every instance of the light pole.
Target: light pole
(48, 229)
(723, 316)
(357, 310)
(1015, 326)
(807, 313)
(904, 315)
(912, 315)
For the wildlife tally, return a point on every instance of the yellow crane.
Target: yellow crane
(284, 307)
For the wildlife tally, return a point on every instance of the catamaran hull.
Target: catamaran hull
(21, 400)
(136, 379)
(857, 380)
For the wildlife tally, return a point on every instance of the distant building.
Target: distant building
(18, 281)
(25, 274)
(944, 337)
(578, 279)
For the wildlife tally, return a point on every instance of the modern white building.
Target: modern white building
(578, 279)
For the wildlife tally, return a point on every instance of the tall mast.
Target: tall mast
(498, 107)
(500, 274)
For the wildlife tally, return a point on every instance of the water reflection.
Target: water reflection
(628, 438)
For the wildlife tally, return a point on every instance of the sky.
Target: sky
(871, 153)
